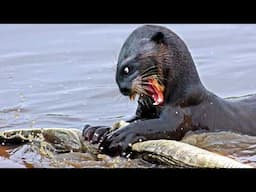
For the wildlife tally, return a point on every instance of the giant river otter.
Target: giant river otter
(155, 64)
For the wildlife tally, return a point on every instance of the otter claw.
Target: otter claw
(95, 134)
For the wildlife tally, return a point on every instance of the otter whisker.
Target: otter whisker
(141, 90)
(146, 82)
(141, 84)
(147, 89)
(153, 73)
(148, 75)
(158, 77)
(138, 88)
(148, 69)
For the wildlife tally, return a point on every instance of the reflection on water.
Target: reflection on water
(64, 75)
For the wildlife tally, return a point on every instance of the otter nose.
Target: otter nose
(125, 90)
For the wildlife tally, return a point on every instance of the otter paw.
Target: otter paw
(94, 134)
(119, 142)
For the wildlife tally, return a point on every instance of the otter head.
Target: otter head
(139, 70)
(154, 63)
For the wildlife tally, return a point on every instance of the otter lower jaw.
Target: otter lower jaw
(156, 92)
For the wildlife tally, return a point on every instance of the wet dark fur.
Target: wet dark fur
(188, 105)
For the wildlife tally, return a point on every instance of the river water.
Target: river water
(63, 75)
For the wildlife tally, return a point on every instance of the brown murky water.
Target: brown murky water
(63, 75)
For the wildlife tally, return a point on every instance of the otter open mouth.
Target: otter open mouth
(153, 90)
(156, 91)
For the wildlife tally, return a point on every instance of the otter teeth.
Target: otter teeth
(157, 102)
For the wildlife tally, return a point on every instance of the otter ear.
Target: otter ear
(158, 38)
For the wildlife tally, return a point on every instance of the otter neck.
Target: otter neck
(184, 87)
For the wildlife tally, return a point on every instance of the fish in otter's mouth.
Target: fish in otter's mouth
(150, 87)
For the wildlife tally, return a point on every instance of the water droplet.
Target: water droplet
(3, 143)
(140, 140)
(96, 134)
(211, 103)
(130, 145)
(123, 154)
(176, 112)
(128, 155)
(101, 148)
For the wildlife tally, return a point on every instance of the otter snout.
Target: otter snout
(125, 91)
(125, 88)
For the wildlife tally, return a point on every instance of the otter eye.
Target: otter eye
(126, 70)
